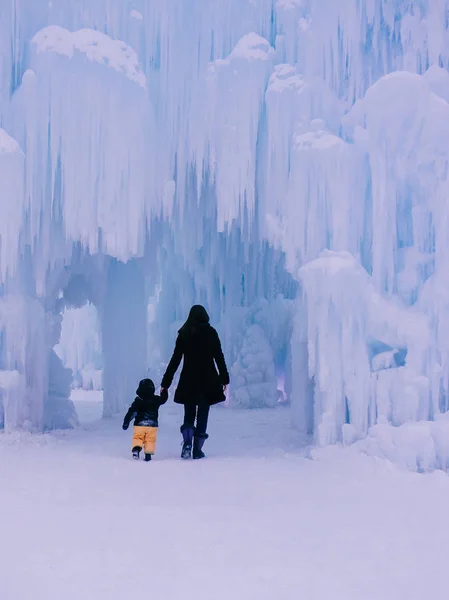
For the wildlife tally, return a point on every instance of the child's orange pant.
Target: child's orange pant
(145, 437)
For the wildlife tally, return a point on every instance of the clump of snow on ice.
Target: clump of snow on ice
(384, 360)
(285, 77)
(96, 46)
(250, 47)
(289, 4)
(8, 145)
(317, 138)
(135, 14)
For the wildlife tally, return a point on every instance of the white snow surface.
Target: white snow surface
(255, 520)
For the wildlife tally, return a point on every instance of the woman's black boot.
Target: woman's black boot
(187, 434)
(198, 443)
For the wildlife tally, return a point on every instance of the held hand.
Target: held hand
(163, 391)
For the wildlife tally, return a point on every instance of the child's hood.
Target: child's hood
(146, 389)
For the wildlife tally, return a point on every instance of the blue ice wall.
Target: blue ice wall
(220, 148)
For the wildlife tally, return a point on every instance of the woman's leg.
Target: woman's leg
(200, 431)
(201, 419)
(189, 415)
(187, 430)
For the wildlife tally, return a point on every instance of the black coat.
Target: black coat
(199, 383)
(145, 411)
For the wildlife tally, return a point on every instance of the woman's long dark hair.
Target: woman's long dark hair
(197, 318)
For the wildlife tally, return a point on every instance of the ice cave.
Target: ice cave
(283, 162)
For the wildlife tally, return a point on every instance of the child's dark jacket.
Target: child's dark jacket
(145, 410)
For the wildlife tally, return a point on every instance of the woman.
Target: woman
(199, 385)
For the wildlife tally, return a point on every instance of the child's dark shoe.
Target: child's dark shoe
(136, 453)
(147, 457)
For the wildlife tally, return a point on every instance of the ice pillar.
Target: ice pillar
(124, 334)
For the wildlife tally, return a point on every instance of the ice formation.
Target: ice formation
(106, 207)
(283, 162)
(12, 164)
(79, 347)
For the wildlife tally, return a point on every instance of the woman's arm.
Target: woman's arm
(173, 365)
(220, 360)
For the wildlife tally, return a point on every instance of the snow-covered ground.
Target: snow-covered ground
(89, 405)
(257, 520)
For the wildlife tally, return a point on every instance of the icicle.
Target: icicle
(11, 203)
(318, 211)
(238, 86)
(6, 59)
(178, 58)
(293, 104)
(24, 326)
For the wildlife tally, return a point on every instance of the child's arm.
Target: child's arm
(162, 399)
(130, 415)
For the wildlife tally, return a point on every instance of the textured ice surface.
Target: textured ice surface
(79, 346)
(12, 207)
(83, 113)
(237, 86)
(253, 374)
(190, 155)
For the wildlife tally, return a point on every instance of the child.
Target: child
(145, 412)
